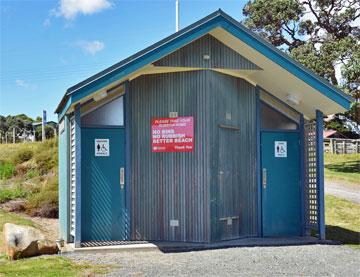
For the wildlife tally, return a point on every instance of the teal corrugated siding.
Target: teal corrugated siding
(64, 181)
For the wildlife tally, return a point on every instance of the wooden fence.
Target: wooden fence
(341, 146)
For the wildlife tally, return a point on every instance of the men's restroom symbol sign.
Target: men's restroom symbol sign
(280, 149)
(102, 147)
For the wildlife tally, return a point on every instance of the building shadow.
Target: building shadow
(342, 235)
(346, 167)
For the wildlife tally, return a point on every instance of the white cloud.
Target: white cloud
(63, 61)
(23, 84)
(47, 23)
(20, 83)
(91, 47)
(71, 8)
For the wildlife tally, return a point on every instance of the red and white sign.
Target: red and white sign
(172, 134)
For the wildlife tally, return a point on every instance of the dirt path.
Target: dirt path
(343, 190)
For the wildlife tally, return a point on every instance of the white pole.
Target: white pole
(177, 14)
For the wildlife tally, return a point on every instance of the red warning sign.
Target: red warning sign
(172, 134)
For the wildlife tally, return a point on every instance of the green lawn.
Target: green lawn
(344, 167)
(40, 266)
(342, 221)
(48, 266)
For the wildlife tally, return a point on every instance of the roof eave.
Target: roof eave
(334, 94)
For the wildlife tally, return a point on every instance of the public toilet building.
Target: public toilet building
(210, 134)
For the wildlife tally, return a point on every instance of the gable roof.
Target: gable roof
(208, 24)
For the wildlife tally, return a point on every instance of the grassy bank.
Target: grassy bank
(29, 171)
(342, 221)
(343, 168)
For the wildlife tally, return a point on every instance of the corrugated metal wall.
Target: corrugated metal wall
(220, 56)
(234, 186)
(185, 186)
(168, 186)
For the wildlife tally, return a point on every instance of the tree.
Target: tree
(323, 35)
(22, 124)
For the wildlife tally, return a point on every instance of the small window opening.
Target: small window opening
(273, 119)
(110, 114)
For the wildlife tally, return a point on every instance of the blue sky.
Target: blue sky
(48, 46)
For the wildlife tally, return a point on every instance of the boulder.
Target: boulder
(26, 241)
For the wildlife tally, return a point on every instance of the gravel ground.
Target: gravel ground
(343, 190)
(310, 260)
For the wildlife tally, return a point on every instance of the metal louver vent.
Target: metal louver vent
(72, 176)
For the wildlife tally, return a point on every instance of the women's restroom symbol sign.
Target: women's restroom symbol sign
(280, 149)
(102, 148)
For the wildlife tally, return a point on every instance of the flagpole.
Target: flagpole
(177, 14)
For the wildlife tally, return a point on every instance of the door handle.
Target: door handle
(122, 177)
(264, 177)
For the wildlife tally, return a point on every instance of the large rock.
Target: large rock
(25, 241)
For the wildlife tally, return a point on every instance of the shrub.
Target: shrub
(6, 170)
(45, 202)
(46, 159)
(7, 194)
(22, 155)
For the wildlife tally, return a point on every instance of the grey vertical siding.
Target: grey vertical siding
(234, 187)
(221, 56)
(169, 186)
(185, 186)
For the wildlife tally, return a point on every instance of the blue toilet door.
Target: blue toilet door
(103, 188)
(280, 162)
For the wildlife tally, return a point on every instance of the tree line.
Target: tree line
(24, 128)
(323, 35)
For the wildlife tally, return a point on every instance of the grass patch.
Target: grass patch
(45, 202)
(22, 155)
(49, 266)
(342, 221)
(30, 172)
(6, 170)
(9, 151)
(343, 167)
(7, 194)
